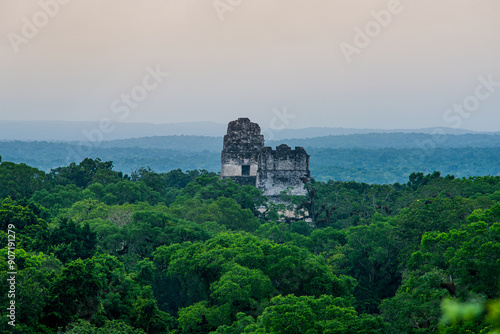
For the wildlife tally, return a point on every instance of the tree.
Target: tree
(22, 217)
(70, 241)
(371, 255)
(470, 256)
(416, 306)
(225, 211)
(59, 196)
(307, 314)
(147, 316)
(242, 288)
(75, 294)
(87, 171)
(110, 327)
(197, 268)
(20, 180)
(198, 318)
(431, 214)
(35, 275)
(29, 229)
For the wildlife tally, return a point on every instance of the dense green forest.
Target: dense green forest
(100, 251)
(368, 158)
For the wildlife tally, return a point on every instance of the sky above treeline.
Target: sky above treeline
(282, 63)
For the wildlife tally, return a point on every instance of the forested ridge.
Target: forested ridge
(368, 158)
(100, 251)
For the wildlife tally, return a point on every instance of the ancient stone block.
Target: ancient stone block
(240, 154)
(283, 169)
(245, 160)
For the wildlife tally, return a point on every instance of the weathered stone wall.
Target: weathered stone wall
(245, 160)
(283, 169)
(243, 136)
(232, 162)
(242, 145)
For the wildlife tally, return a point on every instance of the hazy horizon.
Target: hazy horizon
(282, 63)
(297, 127)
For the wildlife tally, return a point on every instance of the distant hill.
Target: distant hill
(394, 140)
(370, 165)
(389, 165)
(370, 141)
(324, 131)
(46, 156)
(182, 143)
(73, 131)
(370, 157)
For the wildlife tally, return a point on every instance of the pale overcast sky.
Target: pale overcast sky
(412, 61)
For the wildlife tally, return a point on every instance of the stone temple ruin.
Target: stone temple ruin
(247, 161)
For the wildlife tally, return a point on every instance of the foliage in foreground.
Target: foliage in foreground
(185, 252)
